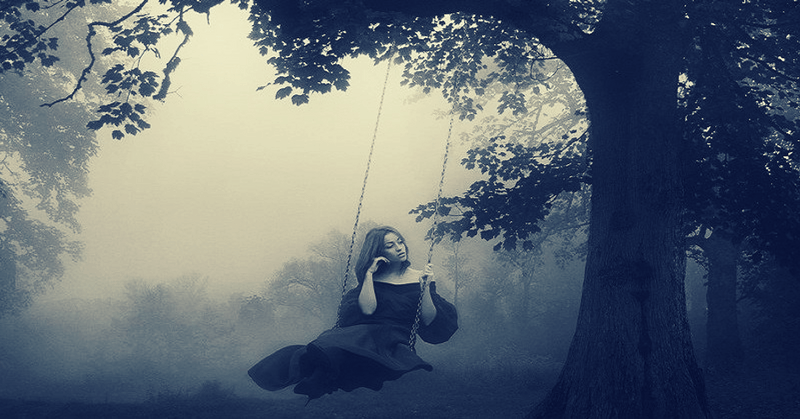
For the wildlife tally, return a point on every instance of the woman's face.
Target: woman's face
(394, 248)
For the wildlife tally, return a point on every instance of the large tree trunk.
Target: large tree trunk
(632, 355)
(724, 350)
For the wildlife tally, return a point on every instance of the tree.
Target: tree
(43, 175)
(632, 332)
(631, 355)
(313, 285)
(46, 104)
(724, 346)
(457, 269)
(172, 333)
(742, 180)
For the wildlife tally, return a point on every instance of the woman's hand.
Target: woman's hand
(427, 275)
(375, 263)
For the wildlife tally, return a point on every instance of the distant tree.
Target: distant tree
(456, 263)
(172, 332)
(773, 291)
(256, 311)
(312, 286)
(45, 155)
(632, 354)
(308, 287)
(720, 257)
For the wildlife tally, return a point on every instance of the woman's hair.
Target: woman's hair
(373, 247)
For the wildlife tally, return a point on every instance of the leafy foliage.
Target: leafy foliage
(742, 123)
(522, 186)
(45, 155)
(129, 35)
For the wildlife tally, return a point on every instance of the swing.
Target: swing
(365, 350)
(415, 327)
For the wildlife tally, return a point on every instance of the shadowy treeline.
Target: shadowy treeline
(172, 350)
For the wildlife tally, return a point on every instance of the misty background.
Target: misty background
(202, 232)
(231, 183)
(198, 230)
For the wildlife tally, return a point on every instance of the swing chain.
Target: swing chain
(363, 191)
(412, 340)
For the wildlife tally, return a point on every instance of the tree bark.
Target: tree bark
(632, 354)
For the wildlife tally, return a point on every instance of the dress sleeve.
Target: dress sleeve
(444, 325)
(350, 311)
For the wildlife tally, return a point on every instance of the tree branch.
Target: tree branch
(90, 48)
(174, 61)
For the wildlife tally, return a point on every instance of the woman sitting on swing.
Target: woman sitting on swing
(373, 341)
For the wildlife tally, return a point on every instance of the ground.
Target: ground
(752, 393)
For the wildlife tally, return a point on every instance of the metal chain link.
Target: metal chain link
(361, 198)
(412, 340)
(415, 327)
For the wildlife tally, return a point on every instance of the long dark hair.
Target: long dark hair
(372, 248)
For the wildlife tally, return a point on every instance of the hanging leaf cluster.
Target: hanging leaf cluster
(123, 39)
(306, 41)
(127, 81)
(520, 186)
(742, 119)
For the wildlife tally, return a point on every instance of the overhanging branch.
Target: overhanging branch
(89, 36)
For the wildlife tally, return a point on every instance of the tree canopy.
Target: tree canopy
(661, 80)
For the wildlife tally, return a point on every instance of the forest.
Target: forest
(171, 349)
(626, 246)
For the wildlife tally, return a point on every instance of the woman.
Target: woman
(371, 344)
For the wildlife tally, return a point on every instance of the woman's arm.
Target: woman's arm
(366, 299)
(428, 311)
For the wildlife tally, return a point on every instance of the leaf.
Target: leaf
(131, 129)
(282, 93)
(184, 27)
(299, 99)
(341, 84)
(117, 134)
(48, 60)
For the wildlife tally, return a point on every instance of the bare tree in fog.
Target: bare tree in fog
(632, 354)
(308, 288)
(312, 286)
(459, 271)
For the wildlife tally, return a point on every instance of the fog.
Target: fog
(231, 183)
(192, 223)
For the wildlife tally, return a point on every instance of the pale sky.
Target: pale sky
(231, 183)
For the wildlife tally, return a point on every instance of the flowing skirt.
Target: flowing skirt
(363, 355)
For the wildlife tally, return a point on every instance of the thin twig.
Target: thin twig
(90, 48)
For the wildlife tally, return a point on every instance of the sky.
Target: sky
(230, 183)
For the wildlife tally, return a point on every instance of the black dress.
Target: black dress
(365, 350)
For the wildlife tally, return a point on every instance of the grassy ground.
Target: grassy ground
(418, 395)
(751, 394)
